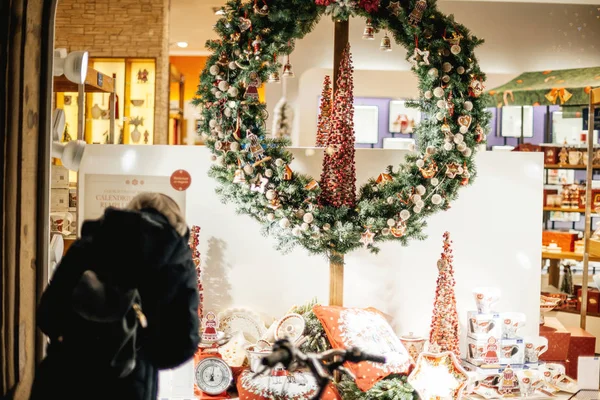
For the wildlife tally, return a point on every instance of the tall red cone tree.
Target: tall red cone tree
(444, 323)
(324, 124)
(338, 178)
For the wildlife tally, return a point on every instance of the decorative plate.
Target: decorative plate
(290, 327)
(242, 320)
(297, 385)
(438, 376)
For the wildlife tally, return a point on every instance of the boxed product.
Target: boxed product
(482, 326)
(558, 340)
(564, 240)
(512, 351)
(592, 300)
(550, 154)
(59, 200)
(482, 352)
(59, 177)
(582, 344)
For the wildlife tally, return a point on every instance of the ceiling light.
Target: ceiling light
(73, 65)
(71, 153)
(183, 45)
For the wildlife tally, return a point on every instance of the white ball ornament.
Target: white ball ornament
(435, 181)
(404, 215)
(390, 200)
(300, 213)
(446, 78)
(417, 210)
(463, 129)
(420, 204)
(461, 147)
(214, 70)
(467, 152)
(385, 231)
(213, 157)
(308, 218)
(232, 104)
(235, 146)
(433, 72)
(218, 94)
(220, 160)
(441, 104)
(438, 92)
(223, 85)
(279, 162)
(420, 163)
(391, 222)
(271, 217)
(460, 70)
(237, 52)
(232, 65)
(305, 227)
(296, 231)
(421, 190)
(228, 112)
(270, 194)
(248, 169)
(268, 173)
(468, 105)
(439, 116)
(284, 223)
(458, 138)
(214, 90)
(326, 227)
(212, 123)
(233, 91)
(416, 198)
(428, 94)
(447, 67)
(448, 146)
(436, 199)
(430, 150)
(411, 147)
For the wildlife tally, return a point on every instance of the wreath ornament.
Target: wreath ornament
(255, 171)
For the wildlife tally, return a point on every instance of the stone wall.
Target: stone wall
(121, 28)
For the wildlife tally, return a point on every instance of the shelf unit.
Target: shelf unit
(95, 82)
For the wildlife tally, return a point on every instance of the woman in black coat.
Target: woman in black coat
(145, 246)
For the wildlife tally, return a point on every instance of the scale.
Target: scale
(212, 375)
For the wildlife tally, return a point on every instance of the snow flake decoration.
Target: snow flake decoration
(371, 333)
(419, 58)
(367, 238)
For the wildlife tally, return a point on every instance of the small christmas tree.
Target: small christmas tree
(324, 124)
(444, 323)
(566, 286)
(338, 178)
(282, 118)
(66, 135)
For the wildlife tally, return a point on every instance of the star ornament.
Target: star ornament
(438, 376)
(259, 184)
(367, 238)
(419, 58)
(452, 170)
(394, 8)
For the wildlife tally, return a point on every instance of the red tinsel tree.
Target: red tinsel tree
(194, 242)
(338, 179)
(324, 124)
(444, 323)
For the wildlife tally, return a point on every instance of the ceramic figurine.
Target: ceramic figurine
(563, 156)
(491, 352)
(252, 90)
(508, 381)
(211, 324)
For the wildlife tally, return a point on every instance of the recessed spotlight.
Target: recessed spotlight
(183, 45)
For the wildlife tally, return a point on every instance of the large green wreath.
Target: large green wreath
(254, 170)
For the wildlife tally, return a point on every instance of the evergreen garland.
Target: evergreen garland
(393, 387)
(253, 170)
(316, 337)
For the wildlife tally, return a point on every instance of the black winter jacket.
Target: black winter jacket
(141, 249)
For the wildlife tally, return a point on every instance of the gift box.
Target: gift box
(558, 340)
(592, 300)
(481, 352)
(482, 326)
(59, 200)
(582, 344)
(512, 351)
(549, 201)
(564, 240)
(550, 154)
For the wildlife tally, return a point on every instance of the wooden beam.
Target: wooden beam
(340, 40)
(336, 280)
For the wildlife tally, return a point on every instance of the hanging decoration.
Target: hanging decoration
(245, 55)
(386, 43)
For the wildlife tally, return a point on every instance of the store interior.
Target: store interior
(503, 257)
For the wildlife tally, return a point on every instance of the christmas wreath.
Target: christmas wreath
(327, 216)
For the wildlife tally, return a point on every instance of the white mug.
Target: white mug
(511, 323)
(529, 381)
(485, 298)
(551, 371)
(60, 222)
(534, 347)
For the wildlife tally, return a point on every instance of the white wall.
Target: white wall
(519, 37)
(242, 268)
